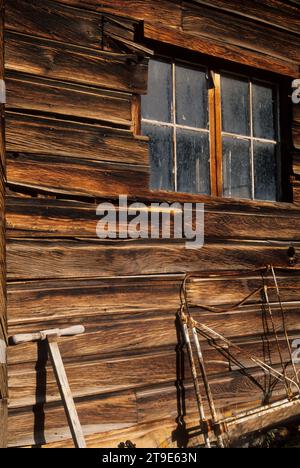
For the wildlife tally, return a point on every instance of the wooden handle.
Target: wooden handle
(25, 338)
(72, 331)
(42, 335)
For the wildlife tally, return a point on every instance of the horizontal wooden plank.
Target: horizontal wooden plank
(143, 331)
(41, 95)
(46, 423)
(144, 436)
(227, 205)
(51, 300)
(217, 48)
(296, 135)
(36, 259)
(150, 10)
(231, 394)
(37, 425)
(296, 164)
(33, 217)
(48, 59)
(246, 34)
(38, 135)
(296, 113)
(296, 189)
(274, 13)
(77, 177)
(54, 21)
(92, 378)
(95, 377)
(230, 290)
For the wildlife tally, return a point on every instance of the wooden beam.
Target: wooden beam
(44, 259)
(25, 133)
(51, 59)
(35, 94)
(217, 48)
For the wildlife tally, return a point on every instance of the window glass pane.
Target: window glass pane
(264, 110)
(191, 97)
(235, 105)
(265, 170)
(157, 104)
(236, 168)
(193, 168)
(161, 156)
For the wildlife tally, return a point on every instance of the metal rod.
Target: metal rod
(287, 387)
(207, 388)
(196, 383)
(285, 326)
(263, 365)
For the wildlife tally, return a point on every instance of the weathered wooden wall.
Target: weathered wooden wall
(3, 318)
(70, 143)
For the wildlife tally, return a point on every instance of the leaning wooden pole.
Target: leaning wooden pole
(3, 319)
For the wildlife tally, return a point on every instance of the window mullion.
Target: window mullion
(218, 135)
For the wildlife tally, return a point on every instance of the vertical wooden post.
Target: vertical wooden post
(3, 318)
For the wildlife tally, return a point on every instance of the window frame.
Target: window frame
(252, 139)
(215, 68)
(203, 68)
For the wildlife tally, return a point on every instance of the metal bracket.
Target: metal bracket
(2, 92)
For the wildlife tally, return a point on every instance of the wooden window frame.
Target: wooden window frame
(284, 128)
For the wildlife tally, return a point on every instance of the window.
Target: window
(212, 133)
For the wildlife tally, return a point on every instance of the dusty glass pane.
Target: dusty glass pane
(236, 168)
(264, 111)
(161, 156)
(235, 105)
(157, 104)
(191, 97)
(265, 171)
(193, 168)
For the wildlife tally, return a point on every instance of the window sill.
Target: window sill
(212, 202)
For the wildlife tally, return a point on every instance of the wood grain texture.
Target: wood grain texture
(231, 392)
(218, 48)
(296, 113)
(75, 64)
(37, 259)
(79, 177)
(149, 10)
(32, 384)
(30, 217)
(274, 13)
(296, 135)
(122, 297)
(246, 34)
(53, 21)
(38, 425)
(154, 434)
(149, 404)
(93, 378)
(147, 332)
(37, 135)
(66, 97)
(52, 300)
(34, 94)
